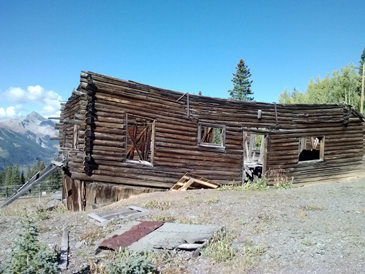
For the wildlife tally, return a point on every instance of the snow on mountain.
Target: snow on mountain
(33, 122)
(26, 140)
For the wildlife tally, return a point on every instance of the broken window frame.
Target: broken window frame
(222, 145)
(151, 151)
(252, 168)
(302, 146)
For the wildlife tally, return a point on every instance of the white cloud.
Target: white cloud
(48, 99)
(10, 112)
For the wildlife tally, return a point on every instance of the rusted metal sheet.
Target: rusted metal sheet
(134, 234)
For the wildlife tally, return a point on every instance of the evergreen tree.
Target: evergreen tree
(42, 166)
(8, 175)
(28, 175)
(22, 178)
(2, 178)
(29, 255)
(242, 83)
(362, 62)
(36, 167)
(16, 176)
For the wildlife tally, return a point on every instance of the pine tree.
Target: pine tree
(362, 62)
(2, 178)
(242, 83)
(8, 175)
(28, 175)
(16, 176)
(42, 166)
(22, 178)
(29, 255)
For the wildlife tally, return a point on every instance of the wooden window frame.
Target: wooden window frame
(152, 149)
(220, 146)
(321, 149)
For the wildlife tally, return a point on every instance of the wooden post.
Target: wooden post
(6, 192)
(64, 250)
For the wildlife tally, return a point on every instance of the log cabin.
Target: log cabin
(123, 137)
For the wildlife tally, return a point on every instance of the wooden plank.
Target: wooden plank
(64, 250)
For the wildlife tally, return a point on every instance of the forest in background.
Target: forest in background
(343, 86)
(12, 175)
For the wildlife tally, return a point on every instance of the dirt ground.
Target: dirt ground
(312, 229)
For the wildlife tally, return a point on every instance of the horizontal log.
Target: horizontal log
(117, 180)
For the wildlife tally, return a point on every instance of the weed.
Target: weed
(97, 268)
(162, 205)
(220, 246)
(285, 185)
(167, 261)
(128, 262)
(261, 184)
(92, 234)
(308, 243)
(253, 251)
(230, 188)
(247, 259)
(191, 221)
(244, 222)
(312, 208)
(212, 201)
(60, 209)
(167, 219)
(44, 229)
(280, 180)
(359, 244)
(302, 215)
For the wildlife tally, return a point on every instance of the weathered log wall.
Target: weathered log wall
(102, 105)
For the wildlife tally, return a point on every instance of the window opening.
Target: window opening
(140, 136)
(211, 135)
(311, 148)
(254, 152)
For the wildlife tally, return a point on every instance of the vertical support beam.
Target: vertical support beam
(153, 141)
(243, 157)
(264, 158)
(126, 137)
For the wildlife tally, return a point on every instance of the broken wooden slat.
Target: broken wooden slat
(191, 181)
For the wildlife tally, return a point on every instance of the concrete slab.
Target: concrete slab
(171, 235)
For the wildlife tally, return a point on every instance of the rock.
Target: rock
(80, 244)
(52, 204)
(57, 196)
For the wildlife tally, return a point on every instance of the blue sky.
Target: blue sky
(188, 46)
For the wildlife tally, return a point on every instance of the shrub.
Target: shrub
(220, 247)
(29, 255)
(127, 262)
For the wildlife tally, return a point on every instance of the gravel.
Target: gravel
(311, 229)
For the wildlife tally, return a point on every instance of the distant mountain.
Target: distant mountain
(26, 140)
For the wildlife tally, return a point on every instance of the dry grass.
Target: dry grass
(161, 205)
